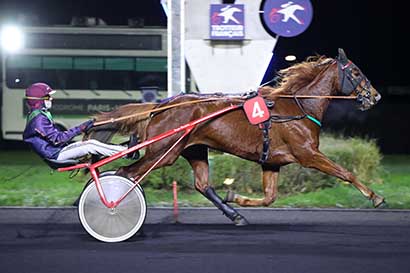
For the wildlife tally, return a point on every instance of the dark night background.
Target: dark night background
(372, 33)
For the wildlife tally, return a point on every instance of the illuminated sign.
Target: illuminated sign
(227, 22)
(286, 18)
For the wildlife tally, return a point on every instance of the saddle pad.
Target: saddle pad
(256, 110)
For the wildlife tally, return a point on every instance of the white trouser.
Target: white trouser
(82, 148)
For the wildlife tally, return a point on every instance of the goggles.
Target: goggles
(47, 97)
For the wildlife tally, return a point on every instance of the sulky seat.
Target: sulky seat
(55, 164)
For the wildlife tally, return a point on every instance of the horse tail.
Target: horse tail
(134, 123)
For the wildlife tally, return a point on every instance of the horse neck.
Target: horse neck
(323, 85)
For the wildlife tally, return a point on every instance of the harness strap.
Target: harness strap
(280, 119)
(314, 120)
(265, 126)
(307, 115)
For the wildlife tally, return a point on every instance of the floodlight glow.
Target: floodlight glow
(290, 58)
(11, 39)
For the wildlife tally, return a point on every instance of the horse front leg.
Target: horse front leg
(270, 175)
(198, 158)
(320, 162)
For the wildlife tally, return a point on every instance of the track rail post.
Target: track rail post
(175, 194)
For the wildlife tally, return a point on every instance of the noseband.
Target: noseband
(349, 84)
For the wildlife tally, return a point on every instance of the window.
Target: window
(90, 73)
(94, 41)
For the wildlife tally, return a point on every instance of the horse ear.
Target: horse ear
(342, 56)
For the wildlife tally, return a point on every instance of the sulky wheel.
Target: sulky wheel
(116, 224)
(110, 172)
(91, 181)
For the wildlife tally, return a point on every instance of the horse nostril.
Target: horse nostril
(378, 97)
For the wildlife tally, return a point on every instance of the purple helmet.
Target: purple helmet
(37, 93)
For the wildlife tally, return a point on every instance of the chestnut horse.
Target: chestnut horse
(293, 135)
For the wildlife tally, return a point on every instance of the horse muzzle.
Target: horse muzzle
(377, 98)
(367, 102)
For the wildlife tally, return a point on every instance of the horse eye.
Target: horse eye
(355, 73)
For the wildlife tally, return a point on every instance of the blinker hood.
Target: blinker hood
(345, 67)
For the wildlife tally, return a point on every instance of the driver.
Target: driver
(48, 141)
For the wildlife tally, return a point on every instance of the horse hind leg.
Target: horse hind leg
(197, 157)
(270, 175)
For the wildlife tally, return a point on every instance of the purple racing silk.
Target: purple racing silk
(45, 138)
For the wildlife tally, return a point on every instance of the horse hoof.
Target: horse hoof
(383, 205)
(378, 202)
(240, 221)
(230, 197)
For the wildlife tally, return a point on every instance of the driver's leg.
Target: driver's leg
(82, 148)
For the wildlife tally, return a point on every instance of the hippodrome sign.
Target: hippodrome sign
(227, 22)
(286, 18)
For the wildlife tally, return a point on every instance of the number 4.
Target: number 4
(257, 111)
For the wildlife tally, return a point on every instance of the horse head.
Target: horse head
(353, 81)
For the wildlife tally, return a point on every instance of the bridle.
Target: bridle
(349, 84)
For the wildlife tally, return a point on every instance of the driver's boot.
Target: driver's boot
(132, 142)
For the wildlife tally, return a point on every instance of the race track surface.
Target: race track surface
(292, 247)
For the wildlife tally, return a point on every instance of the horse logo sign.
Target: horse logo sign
(227, 22)
(286, 18)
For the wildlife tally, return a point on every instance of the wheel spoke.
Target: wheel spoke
(117, 224)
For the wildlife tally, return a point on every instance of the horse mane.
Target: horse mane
(292, 79)
(134, 124)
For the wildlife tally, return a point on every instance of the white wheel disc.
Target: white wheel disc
(116, 224)
(111, 172)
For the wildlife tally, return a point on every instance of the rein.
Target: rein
(112, 120)
(316, 97)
